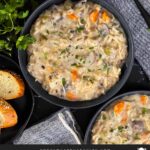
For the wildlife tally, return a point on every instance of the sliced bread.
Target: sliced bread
(11, 85)
(8, 116)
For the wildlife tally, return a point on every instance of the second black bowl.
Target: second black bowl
(88, 135)
(126, 69)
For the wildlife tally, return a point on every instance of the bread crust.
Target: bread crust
(8, 115)
(19, 81)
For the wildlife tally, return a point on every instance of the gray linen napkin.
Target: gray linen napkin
(60, 128)
(138, 27)
(146, 4)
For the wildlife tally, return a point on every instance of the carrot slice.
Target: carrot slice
(72, 16)
(118, 108)
(105, 16)
(94, 15)
(74, 75)
(144, 99)
(70, 95)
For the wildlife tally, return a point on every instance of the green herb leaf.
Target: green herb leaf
(63, 81)
(65, 50)
(16, 3)
(105, 67)
(45, 54)
(89, 70)
(3, 12)
(23, 14)
(4, 45)
(91, 48)
(77, 65)
(144, 111)
(120, 128)
(80, 29)
(89, 78)
(100, 56)
(11, 12)
(76, 56)
(24, 41)
(82, 21)
(104, 117)
(136, 136)
(17, 29)
(107, 51)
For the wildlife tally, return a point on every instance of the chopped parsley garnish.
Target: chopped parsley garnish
(80, 58)
(104, 117)
(65, 50)
(77, 47)
(89, 78)
(100, 56)
(120, 128)
(77, 65)
(144, 111)
(77, 56)
(89, 70)
(105, 67)
(136, 136)
(91, 48)
(80, 29)
(107, 51)
(63, 81)
(82, 21)
(46, 55)
(47, 31)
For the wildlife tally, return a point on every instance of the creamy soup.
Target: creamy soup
(124, 122)
(79, 50)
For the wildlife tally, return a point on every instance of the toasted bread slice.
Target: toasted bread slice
(11, 85)
(8, 116)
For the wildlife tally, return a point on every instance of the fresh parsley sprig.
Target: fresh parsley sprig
(11, 14)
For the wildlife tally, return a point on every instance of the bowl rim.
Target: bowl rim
(77, 104)
(87, 136)
(22, 128)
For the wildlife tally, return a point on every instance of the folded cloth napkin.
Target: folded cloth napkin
(139, 29)
(146, 4)
(60, 128)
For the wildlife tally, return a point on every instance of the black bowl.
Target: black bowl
(87, 138)
(23, 106)
(126, 69)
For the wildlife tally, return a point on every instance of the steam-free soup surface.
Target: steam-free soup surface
(79, 50)
(126, 121)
